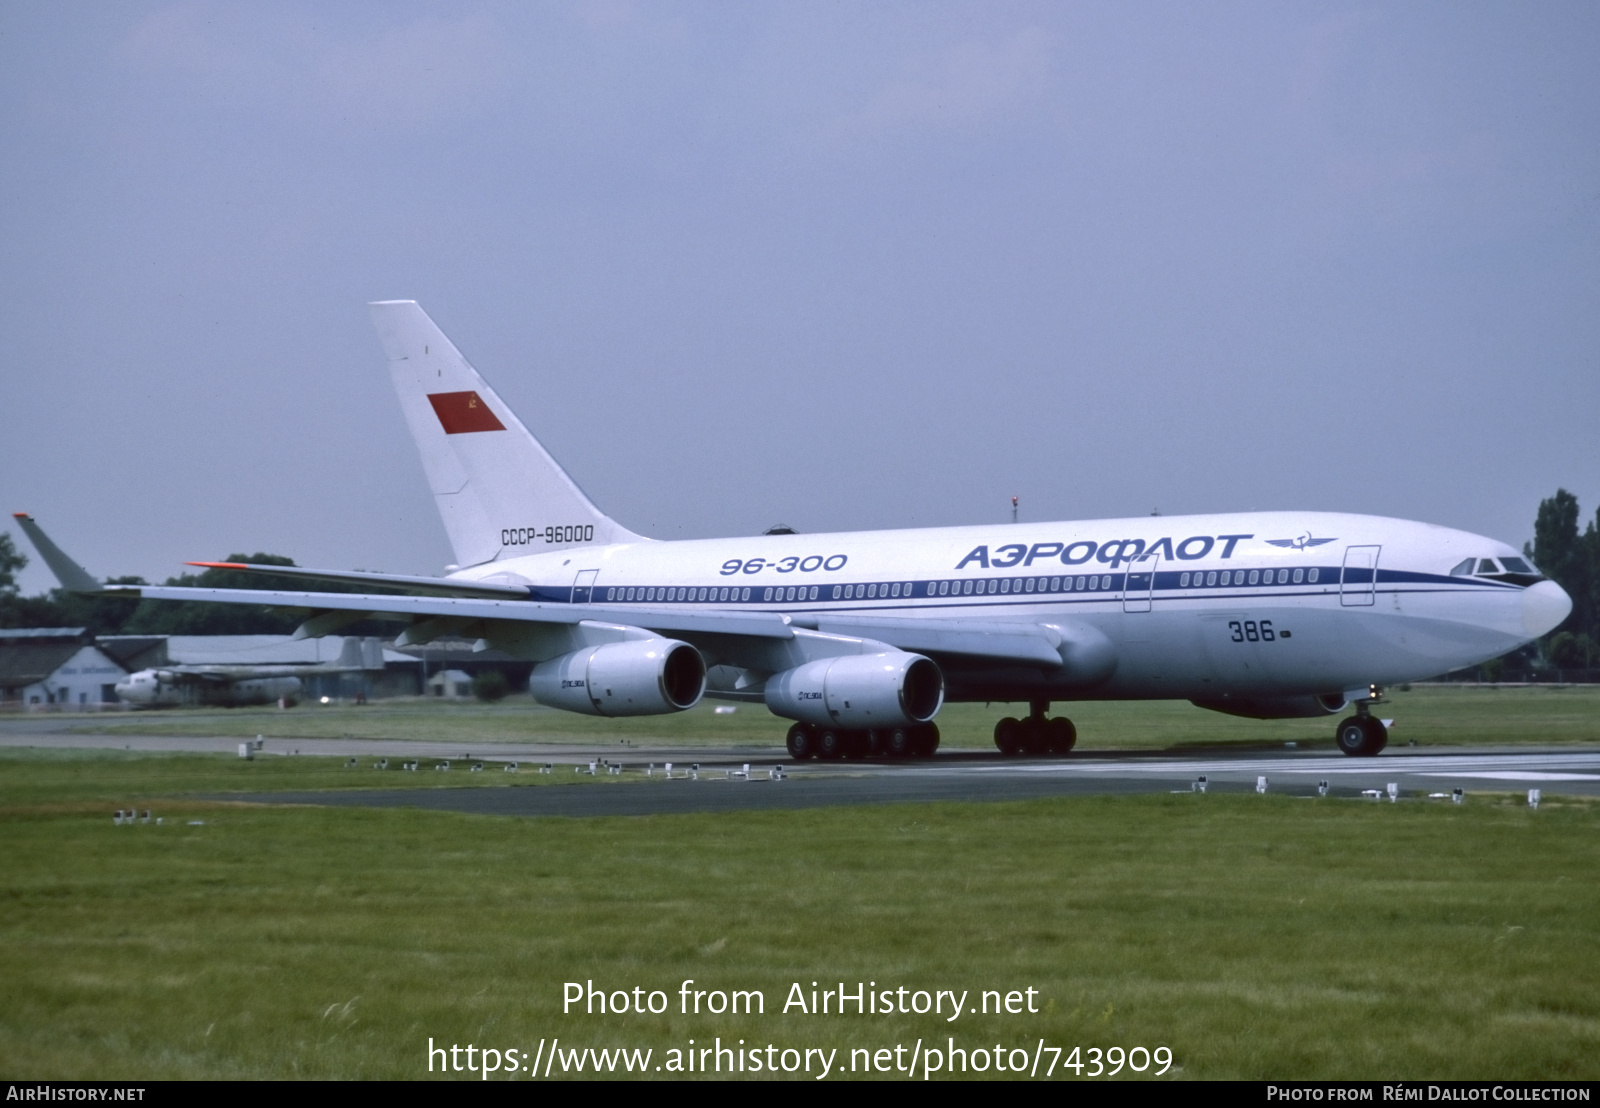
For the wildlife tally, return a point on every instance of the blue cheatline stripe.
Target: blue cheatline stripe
(1070, 588)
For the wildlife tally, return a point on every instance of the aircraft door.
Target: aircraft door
(583, 587)
(1141, 584)
(1360, 576)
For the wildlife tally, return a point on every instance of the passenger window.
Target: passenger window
(1311, 576)
(1211, 578)
(1183, 582)
(1055, 584)
(1252, 576)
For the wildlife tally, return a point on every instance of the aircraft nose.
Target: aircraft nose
(1544, 606)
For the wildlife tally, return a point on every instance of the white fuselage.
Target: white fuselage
(1259, 604)
(166, 688)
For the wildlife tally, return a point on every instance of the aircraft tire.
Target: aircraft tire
(1008, 736)
(801, 742)
(1361, 737)
(1063, 736)
(1378, 734)
(831, 744)
(925, 740)
(898, 742)
(873, 743)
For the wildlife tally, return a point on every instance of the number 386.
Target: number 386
(1251, 631)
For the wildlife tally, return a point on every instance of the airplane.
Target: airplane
(231, 686)
(224, 685)
(860, 638)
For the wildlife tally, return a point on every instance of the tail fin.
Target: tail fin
(359, 653)
(500, 494)
(350, 654)
(73, 577)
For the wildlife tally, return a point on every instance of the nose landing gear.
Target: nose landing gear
(1362, 735)
(1036, 734)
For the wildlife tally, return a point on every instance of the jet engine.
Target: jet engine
(640, 677)
(859, 691)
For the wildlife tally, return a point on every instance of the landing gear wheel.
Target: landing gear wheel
(802, 742)
(831, 744)
(1361, 736)
(1061, 734)
(1009, 735)
(898, 742)
(925, 740)
(872, 743)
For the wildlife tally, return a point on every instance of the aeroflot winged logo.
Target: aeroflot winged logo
(463, 412)
(1300, 543)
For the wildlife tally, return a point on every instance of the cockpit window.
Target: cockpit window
(1486, 565)
(1516, 565)
(1464, 568)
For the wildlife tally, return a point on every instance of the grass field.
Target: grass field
(1432, 716)
(1254, 936)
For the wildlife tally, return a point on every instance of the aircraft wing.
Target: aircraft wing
(414, 586)
(742, 638)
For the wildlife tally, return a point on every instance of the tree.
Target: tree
(490, 685)
(164, 617)
(11, 561)
(1570, 559)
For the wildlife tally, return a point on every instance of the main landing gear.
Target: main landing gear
(1362, 735)
(1036, 734)
(830, 743)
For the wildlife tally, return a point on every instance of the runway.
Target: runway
(970, 775)
(812, 785)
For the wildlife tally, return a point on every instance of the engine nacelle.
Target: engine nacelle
(640, 677)
(859, 691)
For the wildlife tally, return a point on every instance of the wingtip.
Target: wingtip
(218, 565)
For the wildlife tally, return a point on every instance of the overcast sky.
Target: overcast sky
(842, 266)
